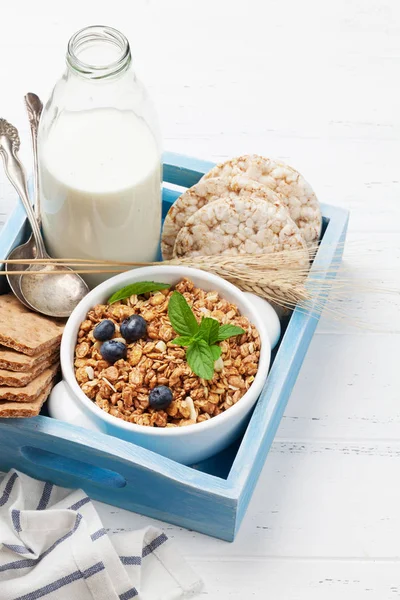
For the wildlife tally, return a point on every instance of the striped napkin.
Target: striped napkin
(53, 546)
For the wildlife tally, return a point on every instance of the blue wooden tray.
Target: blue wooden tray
(210, 497)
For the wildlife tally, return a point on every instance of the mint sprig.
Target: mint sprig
(138, 288)
(199, 339)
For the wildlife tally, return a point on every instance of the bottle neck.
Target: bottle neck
(98, 52)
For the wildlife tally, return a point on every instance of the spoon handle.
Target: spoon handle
(34, 109)
(16, 174)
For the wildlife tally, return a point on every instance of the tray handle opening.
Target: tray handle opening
(71, 466)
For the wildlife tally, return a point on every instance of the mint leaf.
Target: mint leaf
(202, 350)
(184, 340)
(181, 316)
(227, 331)
(140, 287)
(200, 359)
(209, 329)
(216, 352)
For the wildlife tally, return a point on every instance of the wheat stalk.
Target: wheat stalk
(281, 277)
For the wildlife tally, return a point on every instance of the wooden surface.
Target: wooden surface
(316, 84)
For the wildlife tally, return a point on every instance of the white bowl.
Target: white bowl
(189, 444)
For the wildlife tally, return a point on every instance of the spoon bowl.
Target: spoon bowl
(24, 252)
(55, 292)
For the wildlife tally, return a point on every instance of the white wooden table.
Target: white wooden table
(315, 83)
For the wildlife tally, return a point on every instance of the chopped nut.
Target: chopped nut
(90, 372)
(219, 365)
(193, 413)
(161, 346)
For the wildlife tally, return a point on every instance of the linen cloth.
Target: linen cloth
(54, 546)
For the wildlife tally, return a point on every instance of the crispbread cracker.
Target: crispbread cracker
(239, 225)
(15, 379)
(26, 331)
(11, 360)
(31, 391)
(298, 195)
(207, 190)
(9, 410)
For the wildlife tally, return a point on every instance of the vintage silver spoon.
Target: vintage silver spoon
(34, 109)
(52, 295)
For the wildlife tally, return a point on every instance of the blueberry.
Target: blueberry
(160, 397)
(104, 330)
(133, 328)
(112, 350)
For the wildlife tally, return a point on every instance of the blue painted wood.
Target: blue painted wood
(282, 377)
(211, 497)
(13, 233)
(184, 170)
(155, 486)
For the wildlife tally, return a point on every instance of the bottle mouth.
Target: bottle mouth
(97, 52)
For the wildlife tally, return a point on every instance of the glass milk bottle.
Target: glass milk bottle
(100, 157)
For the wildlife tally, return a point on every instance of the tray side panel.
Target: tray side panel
(273, 400)
(118, 473)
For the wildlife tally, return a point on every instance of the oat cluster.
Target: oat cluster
(122, 389)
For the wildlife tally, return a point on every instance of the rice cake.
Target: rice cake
(207, 190)
(29, 392)
(18, 379)
(11, 360)
(26, 331)
(298, 195)
(240, 225)
(10, 410)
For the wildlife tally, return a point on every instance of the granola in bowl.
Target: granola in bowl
(147, 379)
